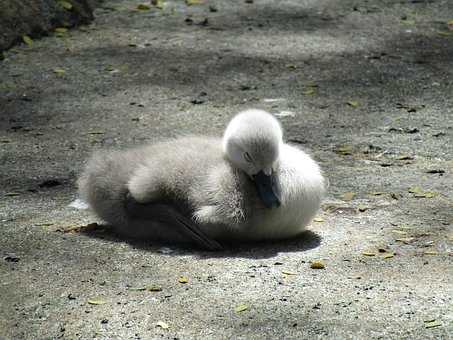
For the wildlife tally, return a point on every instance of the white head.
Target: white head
(252, 141)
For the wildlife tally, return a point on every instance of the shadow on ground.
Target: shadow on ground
(254, 250)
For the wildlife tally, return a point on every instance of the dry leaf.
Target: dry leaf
(240, 308)
(431, 252)
(155, 288)
(318, 219)
(366, 253)
(399, 232)
(183, 279)
(432, 323)
(44, 224)
(344, 150)
(61, 30)
(193, 2)
(405, 240)
(317, 265)
(308, 92)
(388, 256)
(162, 324)
(405, 158)
(348, 196)
(420, 193)
(65, 4)
(287, 272)
(143, 7)
(136, 288)
(415, 190)
(59, 71)
(353, 103)
(96, 301)
(27, 40)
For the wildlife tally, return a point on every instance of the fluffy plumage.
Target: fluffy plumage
(201, 189)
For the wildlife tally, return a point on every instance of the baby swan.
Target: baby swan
(248, 186)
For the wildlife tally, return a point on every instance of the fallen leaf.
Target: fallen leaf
(308, 92)
(415, 190)
(96, 301)
(183, 279)
(291, 66)
(399, 232)
(353, 103)
(348, 196)
(162, 324)
(287, 272)
(318, 219)
(317, 265)
(241, 307)
(136, 288)
(143, 7)
(60, 30)
(155, 288)
(430, 194)
(362, 208)
(193, 2)
(27, 40)
(65, 4)
(420, 193)
(388, 256)
(96, 132)
(405, 158)
(344, 150)
(431, 252)
(405, 240)
(432, 323)
(59, 71)
(368, 253)
(44, 224)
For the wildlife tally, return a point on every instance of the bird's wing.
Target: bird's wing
(170, 216)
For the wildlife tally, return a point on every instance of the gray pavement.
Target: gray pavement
(365, 86)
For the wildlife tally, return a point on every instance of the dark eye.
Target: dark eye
(247, 157)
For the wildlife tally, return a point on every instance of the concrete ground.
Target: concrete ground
(366, 86)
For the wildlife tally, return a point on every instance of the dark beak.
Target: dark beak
(267, 189)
